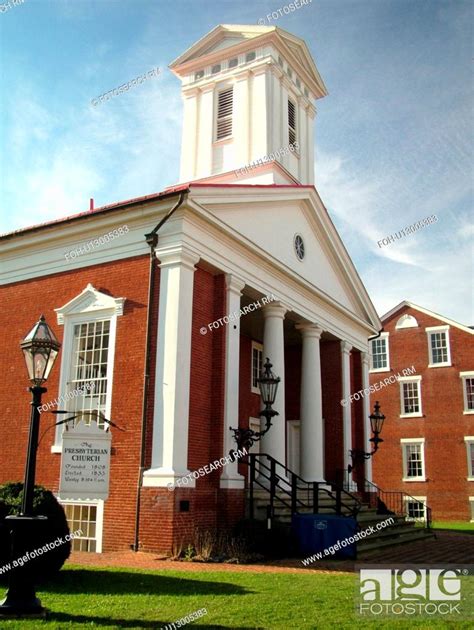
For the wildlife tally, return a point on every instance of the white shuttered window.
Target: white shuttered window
(291, 122)
(224, 113)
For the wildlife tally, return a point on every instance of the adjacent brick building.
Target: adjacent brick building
(428, 448)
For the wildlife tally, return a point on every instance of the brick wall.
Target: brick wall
(331, 377)
(25, 302)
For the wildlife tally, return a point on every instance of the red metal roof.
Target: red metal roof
(137, 200)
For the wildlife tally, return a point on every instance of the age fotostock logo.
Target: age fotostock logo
(410, 591)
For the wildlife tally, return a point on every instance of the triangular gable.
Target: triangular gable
(270, 217)
(88, 301)
(445, 320)
(220, 37)
(240, 37)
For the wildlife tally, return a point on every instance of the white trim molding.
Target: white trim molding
(438, 329)
(406, 321)
(412, 379)
(415, 500)
(89, 301)
(256, 345)
(469, 440)
(383, 337)
(471, 505)
(404, 442)
(464, 376)
(89, 305)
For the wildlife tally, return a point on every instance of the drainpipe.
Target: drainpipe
(377, 335)
(152, 241)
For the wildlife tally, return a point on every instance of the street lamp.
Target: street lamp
(40, 348)
(268, 385)
(376, 424)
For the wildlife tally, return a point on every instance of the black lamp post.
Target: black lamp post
(40, 348)
(376, 424)
(268, 385)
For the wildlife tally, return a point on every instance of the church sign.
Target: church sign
(85, 463)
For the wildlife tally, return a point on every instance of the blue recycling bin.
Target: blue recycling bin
(316, 532)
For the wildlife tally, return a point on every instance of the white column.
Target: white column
(230, 478)
(311, 406)
(364, 357)
(310, 144)
(273, 442)
(241, 120)
(173, 363)
(189, 139)
(346, 409)
(205, 132)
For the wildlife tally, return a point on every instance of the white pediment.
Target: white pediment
(90, 300)
(272, 224)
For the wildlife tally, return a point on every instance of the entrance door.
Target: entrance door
(293, 443)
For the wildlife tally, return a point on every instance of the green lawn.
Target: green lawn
(460, 526)
(126, 598)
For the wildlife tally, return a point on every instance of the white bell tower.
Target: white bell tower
(249, 94)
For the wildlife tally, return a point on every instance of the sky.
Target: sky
(393, 141)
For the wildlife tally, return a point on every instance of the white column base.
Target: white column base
(235, 483)
(162, 477)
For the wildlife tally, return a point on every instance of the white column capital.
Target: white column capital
(175, 256)
(364, 357)
(191, 92)
(274, 309)
(234, 284)
(310, 330)
(346, 347)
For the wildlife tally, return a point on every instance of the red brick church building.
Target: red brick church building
(134, 314)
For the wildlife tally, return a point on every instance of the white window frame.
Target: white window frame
(471, 505)
(99, 527)
(438, 329)
(404, 443)
(258, 346)
(464, 376)
(418, 500)
(224, 88)
(407, 379)
(469, 440)
(89, 305)
(385, 336)
(290, 128)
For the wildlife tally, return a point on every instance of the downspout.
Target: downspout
(377, 335)
(152, 241)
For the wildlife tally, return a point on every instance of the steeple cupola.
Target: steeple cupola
(249, 107)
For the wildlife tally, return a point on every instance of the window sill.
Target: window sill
(255, 391)
(412, 479)
(469, 412)
(436, 365)
(470, 478)
(411, 415)
(57, 448)
(226, 140)
(378, 370)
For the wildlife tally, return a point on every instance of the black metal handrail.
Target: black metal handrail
(292, 488)
(385, 501)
